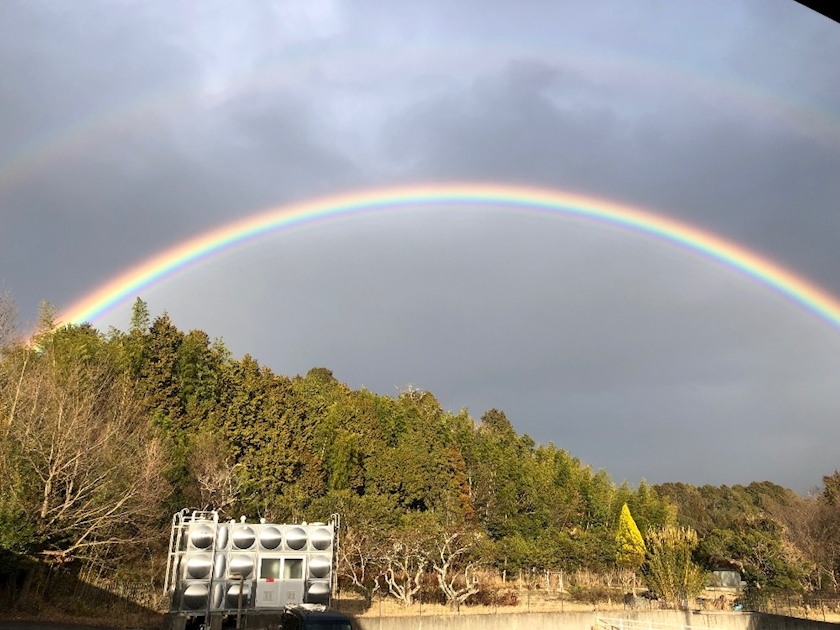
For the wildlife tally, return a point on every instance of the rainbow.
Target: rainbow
(192, 251)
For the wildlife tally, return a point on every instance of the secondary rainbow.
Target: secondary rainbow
(83, 134)
(192, 251)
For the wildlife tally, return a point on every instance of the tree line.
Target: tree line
(105, 434)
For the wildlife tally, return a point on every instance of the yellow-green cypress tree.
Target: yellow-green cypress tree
(631, 551)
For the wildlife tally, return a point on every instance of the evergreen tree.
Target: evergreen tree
(631, 546)
(140, 319)
(239, 437)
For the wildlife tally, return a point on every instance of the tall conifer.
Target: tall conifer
(631, 546)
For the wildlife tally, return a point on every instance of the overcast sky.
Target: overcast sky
(128, 126)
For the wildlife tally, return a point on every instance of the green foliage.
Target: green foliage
(17, 532)
(757, 546)
(46, 323)
(651, 508)
(140, 318)
(745, 527)
(669, 570)
(630, 553)
(238, 437)
(712, 507)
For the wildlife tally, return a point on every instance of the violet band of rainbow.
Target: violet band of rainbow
(203, 246)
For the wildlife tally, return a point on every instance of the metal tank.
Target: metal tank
(198, 566)
(319, 566)
(322, 538)
(195, 596)
(243, 537)
(271, 564)
(296, 538)
(232, 595)
(201, 537)
(270, 537)
(222, 536)
(241, 565)
(318, 593)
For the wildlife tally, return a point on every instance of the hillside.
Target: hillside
(110, 433)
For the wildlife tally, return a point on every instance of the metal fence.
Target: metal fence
(815, 606)
(65, 590)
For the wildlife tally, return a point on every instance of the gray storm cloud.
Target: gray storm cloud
(144, 125)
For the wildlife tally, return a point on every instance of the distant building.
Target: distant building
(726, 578)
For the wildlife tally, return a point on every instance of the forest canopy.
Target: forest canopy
(105, 435)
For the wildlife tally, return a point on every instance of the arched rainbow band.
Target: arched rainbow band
(191, 251)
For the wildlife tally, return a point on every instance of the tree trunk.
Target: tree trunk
(26, 587)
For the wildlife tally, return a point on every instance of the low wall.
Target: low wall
(586, 621)
(659, 619)
(767, 621)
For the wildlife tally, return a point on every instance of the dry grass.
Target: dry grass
(538, 602)
(47, 613)
(392, 608)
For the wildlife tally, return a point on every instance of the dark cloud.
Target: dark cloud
(129, 126)
(734, 175)
(119, 158)
(596, 343)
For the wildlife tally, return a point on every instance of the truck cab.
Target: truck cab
(314, 617)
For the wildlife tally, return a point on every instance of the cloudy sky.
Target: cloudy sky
(126, 127)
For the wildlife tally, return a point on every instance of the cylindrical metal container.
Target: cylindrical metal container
(198, 566)
(217, 599)
(222, 537)
(296, 538)
(201, 537)
(322, 538)
(195, 596)
(241, 565)
(219, 566)
(243, 537)
(270, 537)
(318, 593)
(232, 596)
(319, 566)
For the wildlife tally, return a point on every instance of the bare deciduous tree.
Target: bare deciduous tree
(404, 563)
(218, 486)
(8, 320)
(360, 559)
(450, 557)
(815, 530)
(77, 455)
